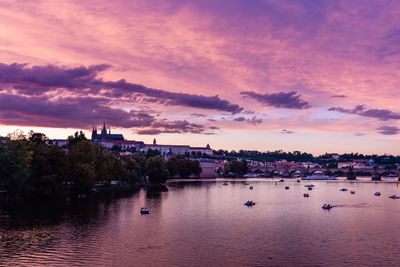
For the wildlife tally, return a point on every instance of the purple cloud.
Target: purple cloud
(284, 131)
(239, 119)
(381, 114)
(37, 80)
(67, 112)
(388, 130)
(254, 120)
(279, 100)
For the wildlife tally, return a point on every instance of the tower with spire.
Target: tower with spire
(104, 136)
(94, 133)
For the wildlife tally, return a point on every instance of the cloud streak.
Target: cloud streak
(361, 110)
(178, 126)
(388, 130)
(288, 100)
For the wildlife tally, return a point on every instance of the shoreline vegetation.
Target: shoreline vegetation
(31, 167)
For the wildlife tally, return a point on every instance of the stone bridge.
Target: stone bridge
(351, 173)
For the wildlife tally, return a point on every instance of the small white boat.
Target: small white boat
(327, 207)
(343, 189)
(352, 192)
(394, 197)
(287, 187)
(377, 194)
(144, 211)
(306, 195)
(251, 187)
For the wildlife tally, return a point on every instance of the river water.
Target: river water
(204, 223)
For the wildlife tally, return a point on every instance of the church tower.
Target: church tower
(104, 132)
(94, 133)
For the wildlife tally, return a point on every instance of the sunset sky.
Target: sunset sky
(315, 76)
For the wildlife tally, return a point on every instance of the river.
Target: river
(204, 223)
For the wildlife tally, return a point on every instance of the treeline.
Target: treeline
(32, 166)
(267, 156)
(298, 156)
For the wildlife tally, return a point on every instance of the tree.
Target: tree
(238, 167)
(182, 166)
(152, 153)
(156, 170)
(196, 169)
(73, 139)
(15, 165)
(140, 167)
(81, 159)
(116, 148)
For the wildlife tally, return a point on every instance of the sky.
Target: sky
(314, 76)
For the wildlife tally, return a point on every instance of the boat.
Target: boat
(309, 185)
(286, 187)
(281, 180)
(377, 194)
(327, 207)
(249, 203)
(298, 180)
(306, 195)
(310, 188)
(225, 184)
(246, 183)
(251, 187)
(319, 177)
(343, 189)
(352, 192)
(144, 211)
(394, 197)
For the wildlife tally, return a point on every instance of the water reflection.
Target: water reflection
(204, 223)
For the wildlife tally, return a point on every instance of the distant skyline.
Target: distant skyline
(314, 76)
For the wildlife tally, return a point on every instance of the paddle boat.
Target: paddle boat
(327, 207)
(251, 187)
(343, 189)
(394, 197)
(249, 203)
(306, 195)
(352, 192)
(144, 211)
(286, 187)
(377, 193)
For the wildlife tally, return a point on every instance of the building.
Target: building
(104, 136)
(208, 169)
(201, 150)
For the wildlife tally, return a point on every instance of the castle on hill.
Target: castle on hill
(112, 140)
